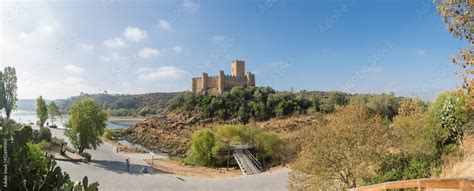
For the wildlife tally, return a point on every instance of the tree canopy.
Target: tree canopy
(41, 111)
(85, 125)
(53, 111)
(10, 82)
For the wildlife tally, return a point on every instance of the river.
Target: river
(29, 116)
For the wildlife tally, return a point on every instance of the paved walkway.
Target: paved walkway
(109, 169)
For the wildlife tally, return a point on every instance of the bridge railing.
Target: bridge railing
(451, 184)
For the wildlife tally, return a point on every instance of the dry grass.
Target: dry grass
(465, 166)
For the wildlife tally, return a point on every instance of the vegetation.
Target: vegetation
(53, 111)
(458, 16)
(263, 103)
(85, 125)
(9, 98)
(345, 149)
(124, 105)
(206, 145)
(28, 168)
(355, 147)
(202, 142)
(111, 134)
(41, 111)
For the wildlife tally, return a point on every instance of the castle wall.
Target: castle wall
(220, 83)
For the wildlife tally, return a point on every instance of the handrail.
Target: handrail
(463, 184)
(257, 163)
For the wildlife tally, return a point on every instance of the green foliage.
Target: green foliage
(10, 82)
(44, 134)
(146, 111)
(346, 149)
(86, 155)
(450, 111)
(2, 91)
(85, 125)
(202, 142)
(123, 105)
(111, 134)
(404, 167)
(28, 168)
(206, 144)
(53, 111)
(41, 111)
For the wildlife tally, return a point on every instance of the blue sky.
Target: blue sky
(62, 48)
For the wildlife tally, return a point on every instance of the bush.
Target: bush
(405, 167)
(44, 145)
(45, 134)
(202, 142)
(206, 144)
(86, 155)
(111, 134)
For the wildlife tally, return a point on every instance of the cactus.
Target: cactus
(28, 168)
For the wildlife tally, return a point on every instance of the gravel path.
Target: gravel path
(109, 169)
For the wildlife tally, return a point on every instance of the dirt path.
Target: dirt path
(175, 167)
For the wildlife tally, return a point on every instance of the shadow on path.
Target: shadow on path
(121, 167)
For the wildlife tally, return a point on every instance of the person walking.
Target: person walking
(127, 161)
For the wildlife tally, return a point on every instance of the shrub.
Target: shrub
(86, 155)
(206, 144)
(45, 134)
(202, 142)
(111, 134)
(44, 145)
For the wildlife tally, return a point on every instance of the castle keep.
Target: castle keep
(219, 84)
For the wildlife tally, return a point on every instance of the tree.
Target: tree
(458, 16)
(53, 111)
(10, 81)
(345, 150)
(449, 111)
(202, 142)
(85, 125)
(41, 111)
(2, 91)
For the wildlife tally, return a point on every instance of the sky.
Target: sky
(62, 48)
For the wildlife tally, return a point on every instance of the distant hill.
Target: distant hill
(124, 105)
(26, 104)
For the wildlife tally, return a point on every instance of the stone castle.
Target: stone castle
(218, 84)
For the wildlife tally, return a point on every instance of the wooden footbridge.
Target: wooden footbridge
(247, 162)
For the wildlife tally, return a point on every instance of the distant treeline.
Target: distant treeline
(124, 105)
(262, 103)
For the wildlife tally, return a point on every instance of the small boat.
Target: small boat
(53, 126)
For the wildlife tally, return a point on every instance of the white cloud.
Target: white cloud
(165, 25)
(191, 6)
(85, 46)
(134, 34)
(116, 42)
(177, 49)
(73, 69)
(38, 33)
(161, 73)
(114, 57)
(148, 52)
(420, 52)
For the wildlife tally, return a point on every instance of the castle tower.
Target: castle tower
(238, 68)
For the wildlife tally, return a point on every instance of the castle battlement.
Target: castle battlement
(223, 82)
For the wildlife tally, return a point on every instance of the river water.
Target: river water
(29, 116)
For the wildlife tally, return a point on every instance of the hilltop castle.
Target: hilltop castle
(219, 84)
